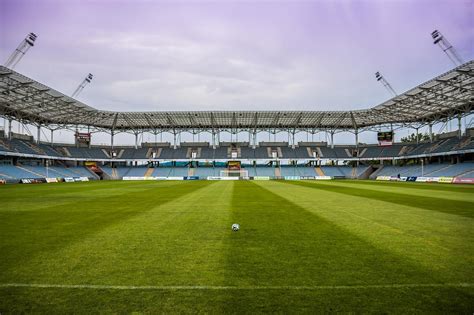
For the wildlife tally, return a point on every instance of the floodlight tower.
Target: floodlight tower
(385, 83)
(443, 43)
(81, 86)
(21, 50)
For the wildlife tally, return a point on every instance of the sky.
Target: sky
(234, 55)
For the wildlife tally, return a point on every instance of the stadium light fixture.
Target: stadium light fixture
(81, 86)
(385, 83)
(445, 45)
(21, 50)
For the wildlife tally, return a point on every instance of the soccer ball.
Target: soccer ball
(235, 227)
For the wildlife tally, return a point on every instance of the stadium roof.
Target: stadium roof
(447, 95)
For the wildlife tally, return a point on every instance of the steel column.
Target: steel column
(431, 132)
(254, 145)
(459, 127)
(174, 140)
(112, 139)
(38, 136)
(357, 138)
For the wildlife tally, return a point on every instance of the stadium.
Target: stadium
(252, 215)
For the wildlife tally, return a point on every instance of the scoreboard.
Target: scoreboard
(385, 137)
(233, 165)
(83, 138)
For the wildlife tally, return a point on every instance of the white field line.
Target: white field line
(248, 287)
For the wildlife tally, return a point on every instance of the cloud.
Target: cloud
(162, 55)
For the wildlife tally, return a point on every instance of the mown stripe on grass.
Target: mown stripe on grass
(217, 287)
(50, 229)
(456, 207)
(469, 189)
(30, 197)
(422, 300)
(434, 240)
(175, 243)
(281, 243)
(405, 188)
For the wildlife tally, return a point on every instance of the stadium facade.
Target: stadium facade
(446, 97)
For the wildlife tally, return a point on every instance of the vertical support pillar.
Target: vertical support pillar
(332, 139)
(254, 145)
(431, 132)
(75, 137)
(174, 140)
(459, 127)
(9, 129)
(52, 136)
(213, 140)
(136, 140)
(357, 138)
(422, 166)
(357, 145)
(89, 131)
(38, 136)
(293, 140)
(417, 136)
(112, 139)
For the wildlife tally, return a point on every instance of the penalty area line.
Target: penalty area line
(216, 287)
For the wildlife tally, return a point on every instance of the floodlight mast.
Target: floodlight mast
(448, 49)
(21, 50)
(385, 83)
(81, 86)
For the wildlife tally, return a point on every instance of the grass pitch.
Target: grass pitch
(168, 247)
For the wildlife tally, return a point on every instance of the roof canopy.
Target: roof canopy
(447, 95)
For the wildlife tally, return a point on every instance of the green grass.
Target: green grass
(303, 247)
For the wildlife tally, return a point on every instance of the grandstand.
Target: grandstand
(443, 157)
(19, 157)
(448, 154)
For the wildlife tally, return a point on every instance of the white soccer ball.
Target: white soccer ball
(235, 227)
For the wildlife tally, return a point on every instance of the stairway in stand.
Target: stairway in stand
(277, 171)
(114, 173)
(149, 172)
(354, 173)
(319, 171)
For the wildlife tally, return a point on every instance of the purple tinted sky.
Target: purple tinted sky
(181, 55)
(234, 55)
